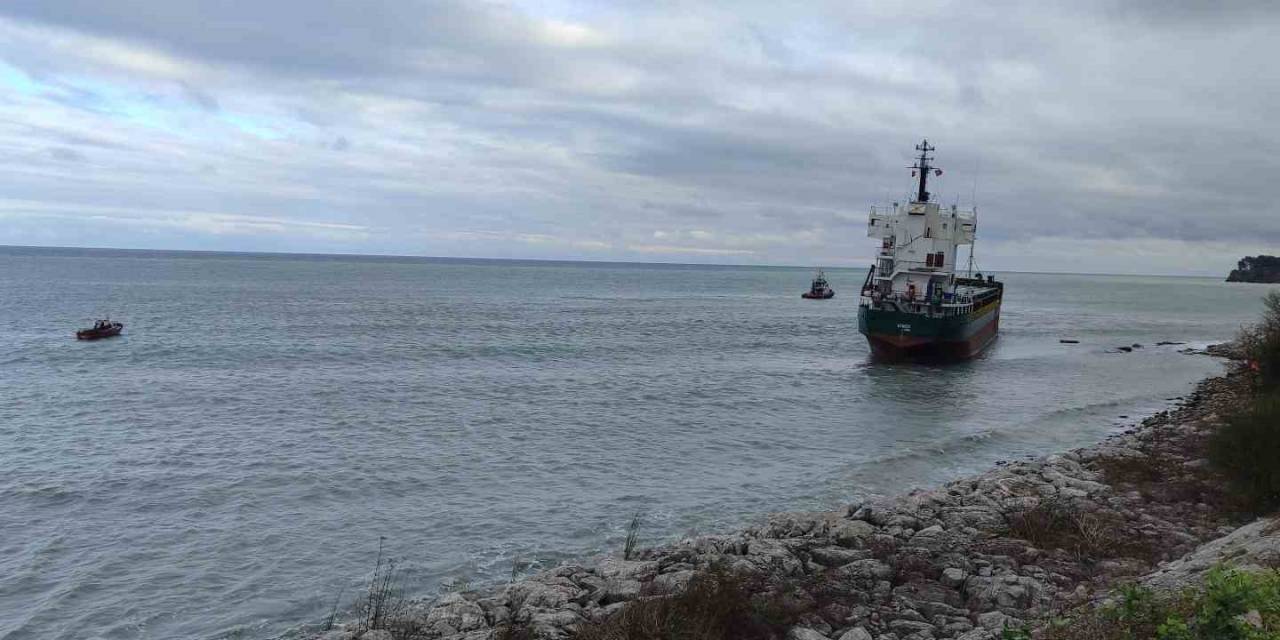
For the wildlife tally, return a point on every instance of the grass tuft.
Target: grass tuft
(333, 611)
(633, 536)
(384, 605)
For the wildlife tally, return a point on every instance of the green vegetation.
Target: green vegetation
(633, 537)
(1233, 605)
(1256, 269)
(1261, 344)
(1246, 448)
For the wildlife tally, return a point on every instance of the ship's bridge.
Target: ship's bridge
(925, 218)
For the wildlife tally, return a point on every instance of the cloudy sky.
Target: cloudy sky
(1118, 136)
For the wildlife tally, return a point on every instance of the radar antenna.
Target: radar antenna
(922, 167)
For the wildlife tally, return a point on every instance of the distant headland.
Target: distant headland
(1256, 269)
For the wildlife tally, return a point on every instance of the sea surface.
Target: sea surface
(228, 466)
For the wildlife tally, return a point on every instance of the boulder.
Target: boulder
(620, 590)
(458, 613)
(869, 569)
(673, 582)
(995, 621)
(801, 633)
(837, 556)
(909, 627)
(953, 576)
(538, 594)
(856, 633)
(851, 533)
(629, 569)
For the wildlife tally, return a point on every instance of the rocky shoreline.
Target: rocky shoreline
(1005, 548)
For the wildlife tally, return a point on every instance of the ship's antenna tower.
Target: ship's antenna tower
(922, 167)
(974, 241)
(973, 201)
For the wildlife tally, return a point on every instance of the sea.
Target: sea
(230, 465)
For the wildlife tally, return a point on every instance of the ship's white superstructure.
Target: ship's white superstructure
(919, 246)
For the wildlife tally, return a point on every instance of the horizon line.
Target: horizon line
(553, 260)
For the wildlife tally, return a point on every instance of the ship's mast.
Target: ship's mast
(923, 168)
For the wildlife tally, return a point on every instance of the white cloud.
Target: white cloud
(754, 133)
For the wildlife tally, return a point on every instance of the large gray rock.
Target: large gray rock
(953, 576)
(774, 554)
(869, 569)
(996, 621)
(458, 613)
(979, 517)
(538, 594)
(801, 633)
(1252, 547)
(1003, 592)
(620, 590)
(857, 633)
(673, 582)
(837, 556)
(851, 533)
(628, 569)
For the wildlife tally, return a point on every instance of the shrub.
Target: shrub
(1246, 449)
(1220, 611)
(1261, 343)
(1229, 596)
(1060, 524)
(718, 604)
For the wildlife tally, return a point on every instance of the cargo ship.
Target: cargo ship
(913, 304)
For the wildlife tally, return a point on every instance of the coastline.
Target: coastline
(1005, 547)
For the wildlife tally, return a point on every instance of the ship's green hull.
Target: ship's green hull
(895, 334)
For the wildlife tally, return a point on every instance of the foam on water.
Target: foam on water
(229, 464)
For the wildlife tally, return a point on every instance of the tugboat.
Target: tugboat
(819, 289)
(913, 304)
(101, 329)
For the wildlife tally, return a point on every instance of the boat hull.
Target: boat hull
(900, 335)
(825, 295)
(98, 334)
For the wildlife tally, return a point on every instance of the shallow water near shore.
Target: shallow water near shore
(226, 467)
